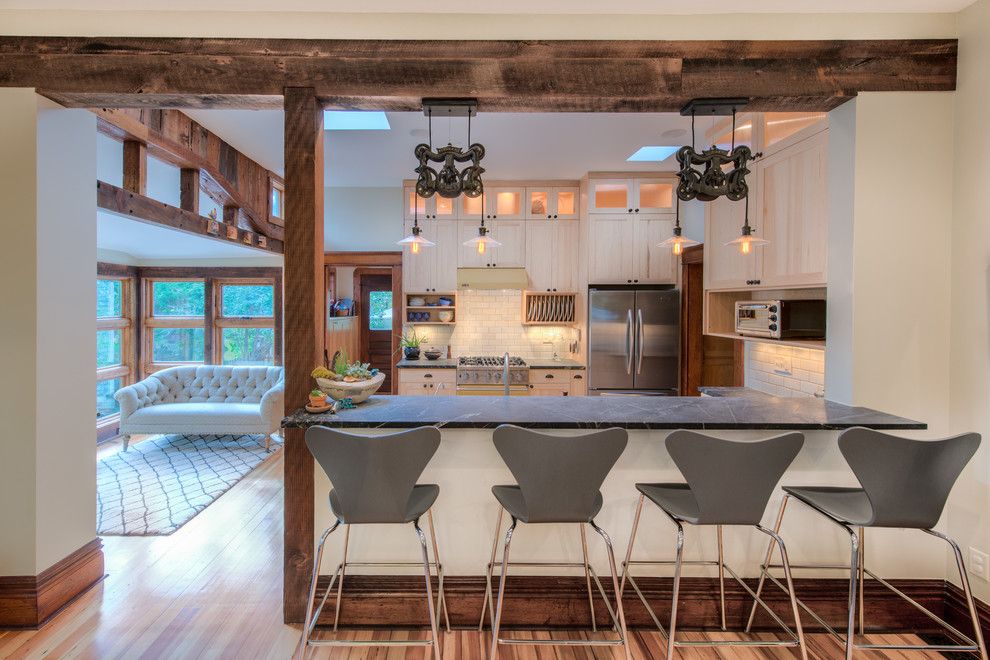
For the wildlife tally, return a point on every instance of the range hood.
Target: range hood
(487, 279)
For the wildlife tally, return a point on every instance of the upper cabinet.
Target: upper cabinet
(429, 208)
(633, 195)
(433, 268)
(552, 255)
(510, 233)
(787, 207)
(623, 249)
(498, 203)
(552, 203)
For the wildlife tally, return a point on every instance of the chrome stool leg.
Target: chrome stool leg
(766, 560)
(436, 558)
(615, 586)
(310, 616)
(629, 549)
(503, 578)
(587, 578)
(340, 584)
(487, 603)
(791, 594)
(678, 565)
(721, 575)
(862, 580)
(429, 591)
(967, 592)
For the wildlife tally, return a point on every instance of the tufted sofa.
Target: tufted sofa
(207, 400)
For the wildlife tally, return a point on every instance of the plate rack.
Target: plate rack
(540, 308)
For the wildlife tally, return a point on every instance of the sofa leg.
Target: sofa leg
(268, 442)
(127, 441)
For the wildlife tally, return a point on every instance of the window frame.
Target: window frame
(126, 370)
(275, 185)
(150, 322)
(220, 321)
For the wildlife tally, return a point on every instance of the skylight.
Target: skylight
(355, 120)
(652, 154)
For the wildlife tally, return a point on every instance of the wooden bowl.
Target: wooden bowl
(357, 392)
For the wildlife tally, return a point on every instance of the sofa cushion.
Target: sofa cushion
(198, 415)
(209, 383)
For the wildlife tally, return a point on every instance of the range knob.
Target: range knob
(773, 317)
(772, 309)
(773, 327)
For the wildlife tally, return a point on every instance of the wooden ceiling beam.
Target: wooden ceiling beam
(596, 76)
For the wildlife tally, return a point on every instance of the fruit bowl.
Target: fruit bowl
(357, 391)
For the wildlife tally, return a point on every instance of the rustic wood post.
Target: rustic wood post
(189, 190)
(135, 167)
(304, 328)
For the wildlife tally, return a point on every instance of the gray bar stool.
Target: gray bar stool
(728, 483)
(558, 481)
(374, 482)
(905, 484)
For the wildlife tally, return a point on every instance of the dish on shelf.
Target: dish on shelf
(417, 302)
(446, 302)
(445, 316)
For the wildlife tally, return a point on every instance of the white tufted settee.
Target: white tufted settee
(206, 400)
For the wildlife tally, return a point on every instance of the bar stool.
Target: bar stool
(558, 481)
(374, 482)
(905, 484)
(728, 483)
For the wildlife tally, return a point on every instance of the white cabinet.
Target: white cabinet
(792, 185)
(623, 249)
(632, 196)
(552, 258)
(511, 254)
(430, 208)
(557, 382)
(552, 203)
(433, 268)
(416, 381)
(787, 208)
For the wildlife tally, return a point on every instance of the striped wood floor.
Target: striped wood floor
(213, 590)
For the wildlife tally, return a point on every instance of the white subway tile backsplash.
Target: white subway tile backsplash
(785, 370)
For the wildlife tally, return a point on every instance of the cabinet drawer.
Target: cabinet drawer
(549, 390)
(447, 376)
(559, 377)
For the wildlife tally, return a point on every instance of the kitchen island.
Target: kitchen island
(467, 465)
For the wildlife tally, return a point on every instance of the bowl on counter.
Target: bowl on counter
(357, 392)
(432, 355)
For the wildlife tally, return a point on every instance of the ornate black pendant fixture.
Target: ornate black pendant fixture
(703, 175)
(448, 182)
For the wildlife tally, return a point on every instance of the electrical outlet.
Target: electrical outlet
(782, 364)
(979, 564)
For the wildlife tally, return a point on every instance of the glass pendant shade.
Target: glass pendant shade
(482, 242)
(415, 241)
(747, 242)
(677, 243)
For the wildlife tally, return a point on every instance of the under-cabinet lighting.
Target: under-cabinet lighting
(355, 120)
(652, 154)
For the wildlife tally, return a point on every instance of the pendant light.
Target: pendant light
(482, 241)
(677, 242)
(747, 241)
(415, 240)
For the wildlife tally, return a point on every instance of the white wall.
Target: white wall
(48, 471)
(967, 516)
(362, 219)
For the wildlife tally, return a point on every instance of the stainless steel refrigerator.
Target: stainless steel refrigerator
(633, 340)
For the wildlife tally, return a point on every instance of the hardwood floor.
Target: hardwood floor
(213, 590)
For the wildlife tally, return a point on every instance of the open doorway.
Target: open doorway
(373, 288)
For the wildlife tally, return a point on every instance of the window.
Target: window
(176, 324)
(380, 310)
(276, 203)
(114, 344)
(245, 326)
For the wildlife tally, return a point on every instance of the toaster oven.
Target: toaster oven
(781, 319)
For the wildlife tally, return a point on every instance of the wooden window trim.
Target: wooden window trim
(149, 322)
(220, 321)
(275, 184)
(126, 371)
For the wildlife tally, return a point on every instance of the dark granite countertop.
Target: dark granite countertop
(550, 363)
(731, 392)
(423, 363)
(763, 412)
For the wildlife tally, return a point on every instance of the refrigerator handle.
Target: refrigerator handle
(629, 341)
(640, 338)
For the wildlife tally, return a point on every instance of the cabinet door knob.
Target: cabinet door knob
(554, 216)
(628, 281)
(494, 216)
(629, 211)
(637, 211)
(548, 217)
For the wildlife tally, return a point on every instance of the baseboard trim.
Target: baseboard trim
(29, 601)
(562, 602)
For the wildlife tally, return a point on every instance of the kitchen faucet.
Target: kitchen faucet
(505, 374)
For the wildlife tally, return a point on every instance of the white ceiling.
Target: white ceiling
(146, 241)
(507, 6)
(518, 146)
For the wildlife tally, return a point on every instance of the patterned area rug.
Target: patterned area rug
(160, 484)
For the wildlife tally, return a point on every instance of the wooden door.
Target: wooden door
(705, 360)
(725, 267)
(610, 249)
(512, 235)
(540, 251)
(566, 203)
(376, 313)
(792, 185)
(566, 256)
(655, 264)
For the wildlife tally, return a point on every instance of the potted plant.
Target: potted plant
(410, 344)
(348, 380)
(317, 398)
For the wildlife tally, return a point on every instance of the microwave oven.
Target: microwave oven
(781, 319)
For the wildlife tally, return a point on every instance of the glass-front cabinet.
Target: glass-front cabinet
(634, 195)
(654, 196)
(552, 203)
(430, 208)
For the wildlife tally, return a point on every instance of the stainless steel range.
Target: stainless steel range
(486, 376)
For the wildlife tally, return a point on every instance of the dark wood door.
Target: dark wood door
(376, 324)
(705, 360)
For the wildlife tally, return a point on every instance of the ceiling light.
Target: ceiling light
(448, 182)
(652, 154)
(677, 242)
(415, 241)
(355, 120)
(482, 241)
(747, 241)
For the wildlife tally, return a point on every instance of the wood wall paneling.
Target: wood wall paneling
(304, 329)
(556, 76)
